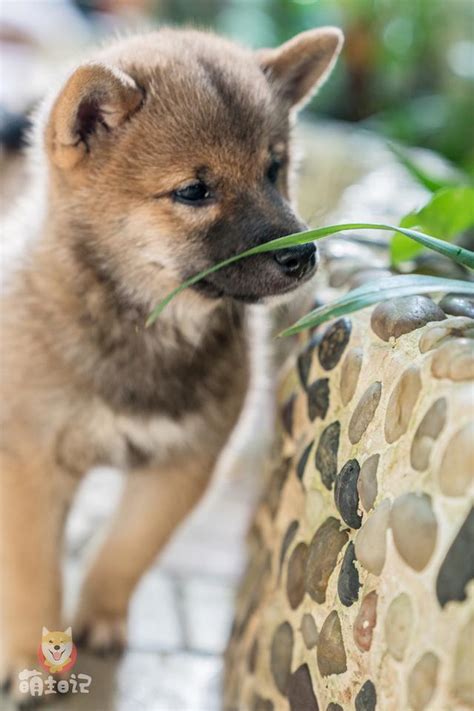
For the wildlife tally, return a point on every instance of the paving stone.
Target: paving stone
(394, 318)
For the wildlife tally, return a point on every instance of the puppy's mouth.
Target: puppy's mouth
(57, 656)
(271, 274)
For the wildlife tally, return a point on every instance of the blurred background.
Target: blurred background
(405, 76)
(406, 69)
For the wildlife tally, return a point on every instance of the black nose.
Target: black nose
(297, 261)
(56, 646)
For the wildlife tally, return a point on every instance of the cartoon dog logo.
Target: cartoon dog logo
(57, 652)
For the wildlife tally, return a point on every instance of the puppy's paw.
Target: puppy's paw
(102, 635)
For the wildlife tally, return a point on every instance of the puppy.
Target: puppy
(165, 154)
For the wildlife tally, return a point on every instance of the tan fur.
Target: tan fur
(83, 381)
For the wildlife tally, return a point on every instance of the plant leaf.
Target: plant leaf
(376, 291)
(456, 253)
(449, 212)
(430, 182)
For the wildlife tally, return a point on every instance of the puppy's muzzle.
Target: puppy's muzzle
(297, 262)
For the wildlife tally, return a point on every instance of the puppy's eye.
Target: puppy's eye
(193, 194)
(274, 170)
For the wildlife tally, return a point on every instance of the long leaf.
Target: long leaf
(456, 253)
(374, 292)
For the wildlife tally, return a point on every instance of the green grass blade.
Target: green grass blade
(374, 292)
(454, 252)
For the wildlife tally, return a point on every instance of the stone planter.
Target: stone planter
(359, 593)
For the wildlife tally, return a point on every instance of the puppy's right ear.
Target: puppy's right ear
(96, 99)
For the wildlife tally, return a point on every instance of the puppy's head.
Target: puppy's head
(170, 152)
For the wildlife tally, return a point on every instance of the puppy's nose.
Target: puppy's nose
(297, 261)
(56, 646)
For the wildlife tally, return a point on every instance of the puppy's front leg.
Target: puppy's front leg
(31, 519)
(154, 502)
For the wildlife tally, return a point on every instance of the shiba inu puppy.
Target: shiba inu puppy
(164, 154)
(57, 649)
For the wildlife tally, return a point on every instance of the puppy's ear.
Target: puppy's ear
(68, 632)
(95, 100)
(299, 67)
(44, 632)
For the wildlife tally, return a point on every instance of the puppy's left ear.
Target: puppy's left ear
(68, 632)
(299, 67)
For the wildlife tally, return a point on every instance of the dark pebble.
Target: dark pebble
(457, 305)
(348, 582)
(287, 540)
(305, 359)
(457, 569)
(276, 485)
(281, 654)
(366, 699)
(318, 399)
(300, 691)
(261, 704)
(346, 495)
(324, 550)
(300, 467)
(326, 454)
(333, 343)
(286, 413)
(253, 655)
(295, 582)
(330, 652)
(334, 707)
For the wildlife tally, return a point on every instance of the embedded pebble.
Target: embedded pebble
(364, 412)
(422, 681)
(324, 550)
(367, 482)
(348, 582)
(300, 691)
(287, 412)
(401, 403)
(436, 333)
(261, 704)
(326, 454)
(392, 319)
(365, 622)
(454, 360)
(295, 584)
(334, 342)
(303, 460)
(346, 496)
(334, 707)
(253, 655)
(281, 654)
(456, 471)
(426, 434)
(331, 655)
(318, 399)
(462, 682)
(350, 372)
(399, 625)
(371, 541)
(305, 359)
(279, 477)
(309, 631)
(287, 540)
(457, 305)
(366, 699)
(414, 529)
(457, 569)
(364, 276)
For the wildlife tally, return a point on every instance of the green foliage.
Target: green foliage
(376, 291)
(447, 215)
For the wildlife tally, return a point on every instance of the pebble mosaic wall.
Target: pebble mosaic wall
(359, 592)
